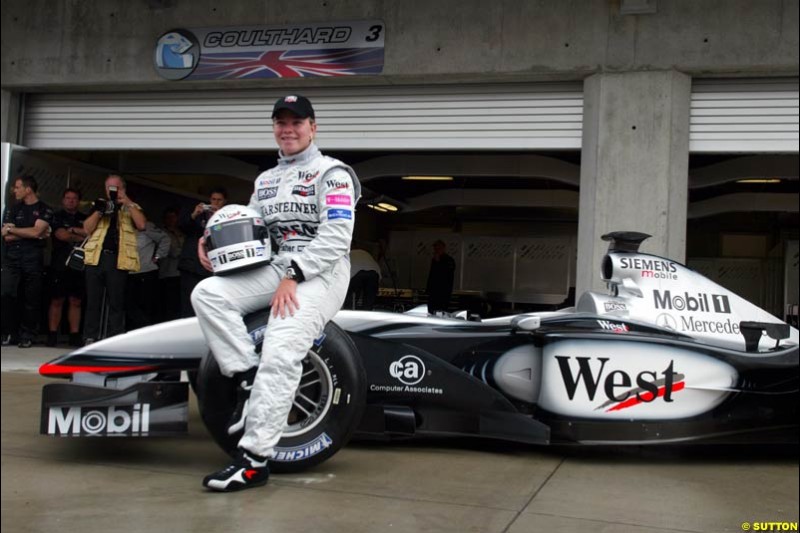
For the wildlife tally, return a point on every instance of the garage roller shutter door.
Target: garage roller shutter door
(744, 115)
(480, 117)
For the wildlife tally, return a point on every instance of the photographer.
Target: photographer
(110, 254)
(192, 225)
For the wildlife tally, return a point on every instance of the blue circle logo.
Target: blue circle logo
(177, 54)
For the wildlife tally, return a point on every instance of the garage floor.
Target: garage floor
(86, 486)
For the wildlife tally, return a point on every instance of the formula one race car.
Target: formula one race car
(668, 356)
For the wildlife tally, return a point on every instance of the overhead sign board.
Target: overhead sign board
(289, 51)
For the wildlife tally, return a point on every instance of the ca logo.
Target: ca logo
(409, 370)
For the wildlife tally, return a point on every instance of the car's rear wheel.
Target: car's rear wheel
(326, 408)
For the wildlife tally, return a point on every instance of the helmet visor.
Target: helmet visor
(234, 232)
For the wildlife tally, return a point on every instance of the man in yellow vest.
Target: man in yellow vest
(110, 254)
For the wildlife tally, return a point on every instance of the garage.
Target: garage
(493, 170)
(498, 160)
(743, 189)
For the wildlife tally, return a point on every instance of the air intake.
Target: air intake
(625, 241)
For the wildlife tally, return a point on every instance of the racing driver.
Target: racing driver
(308, 204)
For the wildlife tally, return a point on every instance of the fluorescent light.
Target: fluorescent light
(388, 207)
(760, 180)
(428, 178)
(376, 208)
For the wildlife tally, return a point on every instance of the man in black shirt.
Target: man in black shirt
(192, 225)
(66, 282)
(26, 225)
(440, 279)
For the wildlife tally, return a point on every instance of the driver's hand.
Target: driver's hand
(285, 298)
(202, 255)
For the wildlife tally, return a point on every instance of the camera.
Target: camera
(107, 207)
(207, 208)
(103, 206)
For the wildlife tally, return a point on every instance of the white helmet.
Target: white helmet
(237, 239)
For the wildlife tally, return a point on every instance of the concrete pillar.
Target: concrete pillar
(634, 165)
(9, 116)
(6, 101)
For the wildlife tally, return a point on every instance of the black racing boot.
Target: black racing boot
(244, 384)
(247, 470)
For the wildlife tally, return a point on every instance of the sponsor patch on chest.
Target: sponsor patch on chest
(267, 193)
(307, 175)
(304, 190)
(269, 182)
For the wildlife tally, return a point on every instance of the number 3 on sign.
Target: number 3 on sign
(374, 33)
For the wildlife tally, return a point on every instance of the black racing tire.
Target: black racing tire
(337, 401)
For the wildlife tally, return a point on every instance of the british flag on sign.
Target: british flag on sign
(289, 64)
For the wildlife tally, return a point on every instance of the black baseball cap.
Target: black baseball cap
(299, 105)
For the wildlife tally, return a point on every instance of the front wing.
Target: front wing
(147, 409)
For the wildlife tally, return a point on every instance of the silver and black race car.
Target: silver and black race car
(666, 356)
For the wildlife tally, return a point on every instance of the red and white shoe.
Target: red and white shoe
(246, 471)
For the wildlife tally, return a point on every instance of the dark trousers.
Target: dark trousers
(22, 276)
(438, 301)
(106, 276)
(364, 287)
(170, 291)
(189, 281)
(141, 300)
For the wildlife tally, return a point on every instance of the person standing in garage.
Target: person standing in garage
(192, 225)
(142, 298)
(66, 284)
(110, 254)
(308, 204)
(365, 277)
(440, 279)
(26, 225)
(169, 277)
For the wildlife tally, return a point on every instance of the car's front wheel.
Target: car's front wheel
(326, 408)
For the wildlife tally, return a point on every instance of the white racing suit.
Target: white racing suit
(308, 203)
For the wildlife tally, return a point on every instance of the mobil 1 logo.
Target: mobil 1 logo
(114, 420)
(694, 302)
